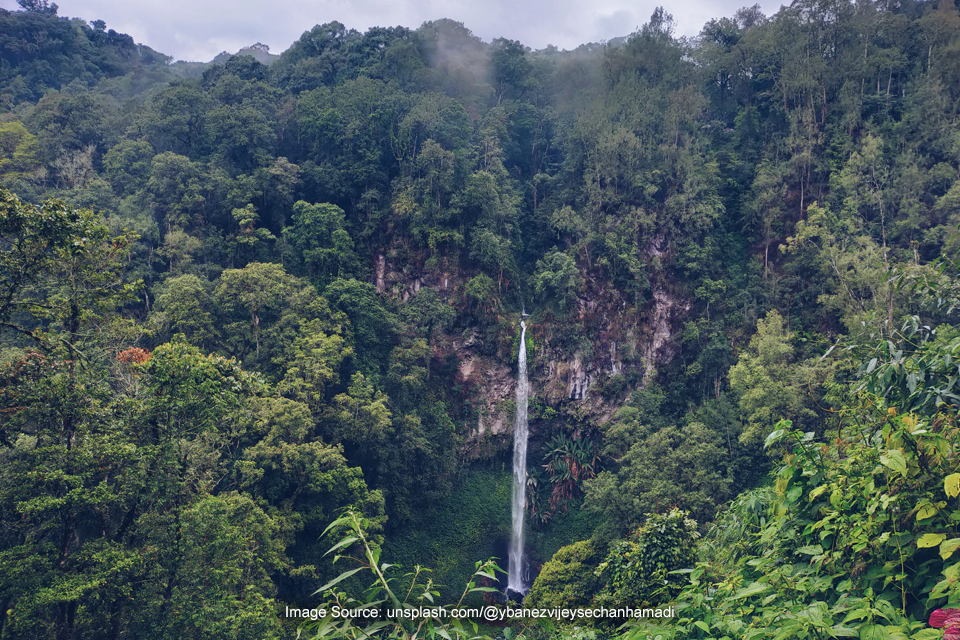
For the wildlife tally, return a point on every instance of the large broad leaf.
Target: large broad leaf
(951, 484)
(893, 459)
(836, 499)
(873, 632)
(926, 510)
(811, 550)
(774, 437)
(751, 589)
(947, 547)
(940, 589)
(928, 540)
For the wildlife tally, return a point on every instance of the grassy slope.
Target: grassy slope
(473, 524)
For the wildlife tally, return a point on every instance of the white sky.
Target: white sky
(200, 29)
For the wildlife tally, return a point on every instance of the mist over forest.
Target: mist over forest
(268, 307)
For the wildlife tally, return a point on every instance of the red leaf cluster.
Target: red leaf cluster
(949, 620)
(133, 355)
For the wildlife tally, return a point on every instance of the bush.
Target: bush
(637, 571)
(568, 579)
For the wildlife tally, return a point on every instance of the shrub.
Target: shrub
(638, 570)
(568, 579)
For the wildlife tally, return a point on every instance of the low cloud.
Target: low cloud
(199, 30)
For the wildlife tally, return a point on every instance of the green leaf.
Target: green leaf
(818, 491)
(370, 631)
(873, 632)
(343, 576)
(333, 524)
(811, 550)
(857, 614)
(940, 589)
(774, 437)
(951, 484)
(947, 547)
(836, 499)
(930, 540)
(893, 459)
(751, 589)
(927, 634)
(702, 625)
(926, 511)
(343, 543)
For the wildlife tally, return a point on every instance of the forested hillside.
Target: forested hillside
(238, 298)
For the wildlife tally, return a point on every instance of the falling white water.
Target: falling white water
(515, 575)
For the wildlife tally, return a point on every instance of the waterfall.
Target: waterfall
(515, 575)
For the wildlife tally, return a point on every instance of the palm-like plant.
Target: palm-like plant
(569, 462)
(537, 501)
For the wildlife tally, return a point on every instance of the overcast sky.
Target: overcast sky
(200, 29)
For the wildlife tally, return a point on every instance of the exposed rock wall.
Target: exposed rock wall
(585, 383)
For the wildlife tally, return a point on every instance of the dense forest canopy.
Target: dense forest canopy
(243, 298)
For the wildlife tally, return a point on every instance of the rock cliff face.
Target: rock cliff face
(583, 381)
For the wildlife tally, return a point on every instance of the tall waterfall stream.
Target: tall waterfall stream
(515, 575)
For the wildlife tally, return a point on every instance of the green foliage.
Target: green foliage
(139, 488)
(652, 178)
(557, 279)
(187, 305)
(426, 312)
(567, 464)
(127, 166)
(568, 579)
(694, 465)
(320, 247)
(836, 551)
(416, 589)
(688, 466)
(44, 51)
(19, 154)
(481, 298)
(373, 325)
(916, 373)
(249, 238)
(450, 532)
(769, 382)
(313, 363)
(647, 567)
(260, 303)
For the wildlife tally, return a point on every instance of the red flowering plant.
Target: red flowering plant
(949, 621)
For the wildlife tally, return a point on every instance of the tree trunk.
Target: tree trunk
(66, 616)
(4, 605)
